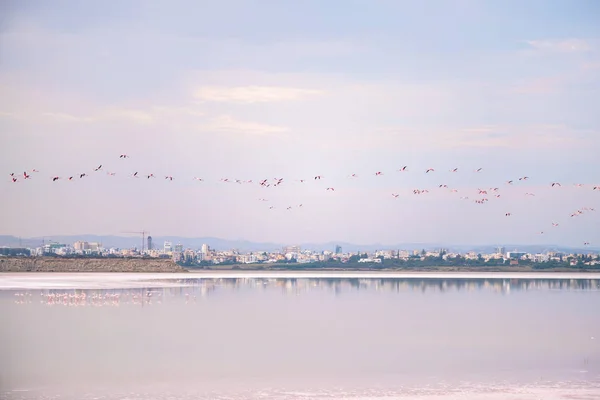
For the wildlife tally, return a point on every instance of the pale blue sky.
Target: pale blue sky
(264, 89)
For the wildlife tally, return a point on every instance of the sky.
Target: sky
(283, 89)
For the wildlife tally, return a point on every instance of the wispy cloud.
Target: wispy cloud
(544, 85)
(64, 117)
(252, 94)
(489, 136)
(136, 116)
(8, 115)
(227, 123)
(560, 46)
(591, 65)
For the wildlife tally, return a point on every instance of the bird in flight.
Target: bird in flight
(123, 156)
(555, 184)
(429, 170)
(99, 168)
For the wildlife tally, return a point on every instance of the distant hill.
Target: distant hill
(244, 245)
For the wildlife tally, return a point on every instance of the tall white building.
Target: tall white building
(205, 248)
(168, 247)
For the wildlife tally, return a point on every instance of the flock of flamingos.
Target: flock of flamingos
(483, 194)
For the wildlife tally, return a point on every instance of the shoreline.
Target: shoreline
(153, 265)
(132, 280)
(87, 265)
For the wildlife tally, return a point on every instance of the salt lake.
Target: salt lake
(249, 335)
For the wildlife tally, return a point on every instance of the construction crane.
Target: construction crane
(143, 233)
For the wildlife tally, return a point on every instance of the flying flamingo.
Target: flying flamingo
(403, 169)
(99, 168)
(429, 170)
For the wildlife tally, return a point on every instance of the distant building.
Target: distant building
(515, 255)
(338, 249)
(80, 246)
(14, 251)
(205, 249)
(179, 248)
(500, 250)
(149, 242)
(291, 249)
(168, 247)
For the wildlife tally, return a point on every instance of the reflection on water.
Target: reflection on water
(304, 338)
(192, 289)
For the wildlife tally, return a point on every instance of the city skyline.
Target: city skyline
(263, 91)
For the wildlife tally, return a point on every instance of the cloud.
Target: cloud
(536, 136)
(591, 65)
(63, 117)
(136, 116)
(252, 94)
(226, 123)
(545, 85)
(560, 46)
(8, 115)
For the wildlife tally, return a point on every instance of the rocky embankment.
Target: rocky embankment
(54, 264)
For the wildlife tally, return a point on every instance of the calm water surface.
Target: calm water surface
(303, 338)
